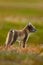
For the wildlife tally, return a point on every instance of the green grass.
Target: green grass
(21, 11)
(29, 7)
(19, 59)
(30, 1)
(5, 27)
(36, 38)
(21, 8)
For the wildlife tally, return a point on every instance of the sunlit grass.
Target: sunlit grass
(19, 59)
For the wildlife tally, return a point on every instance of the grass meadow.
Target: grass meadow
(35, 38)
(16, 14)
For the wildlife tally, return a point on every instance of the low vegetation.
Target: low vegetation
(35, 38)
(14, 14)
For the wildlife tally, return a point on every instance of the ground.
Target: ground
(17, 55)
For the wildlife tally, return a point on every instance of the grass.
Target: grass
(34, 38)
(30, 1)
(21, 11)
(27, 8)
(19, 59)
(5, 27)
(21, 8)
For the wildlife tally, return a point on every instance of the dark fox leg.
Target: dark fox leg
(24, 40)
(15, 37)
(23, 44)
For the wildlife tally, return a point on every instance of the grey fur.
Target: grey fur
(20, 35)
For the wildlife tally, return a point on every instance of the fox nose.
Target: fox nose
(34, 30)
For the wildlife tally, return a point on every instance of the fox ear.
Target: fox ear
(29, 23)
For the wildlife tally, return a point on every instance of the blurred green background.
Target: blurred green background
(15, 14)
(18, 13)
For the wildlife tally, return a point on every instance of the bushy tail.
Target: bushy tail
(9, 38)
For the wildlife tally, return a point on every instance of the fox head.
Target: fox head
(31, 28)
